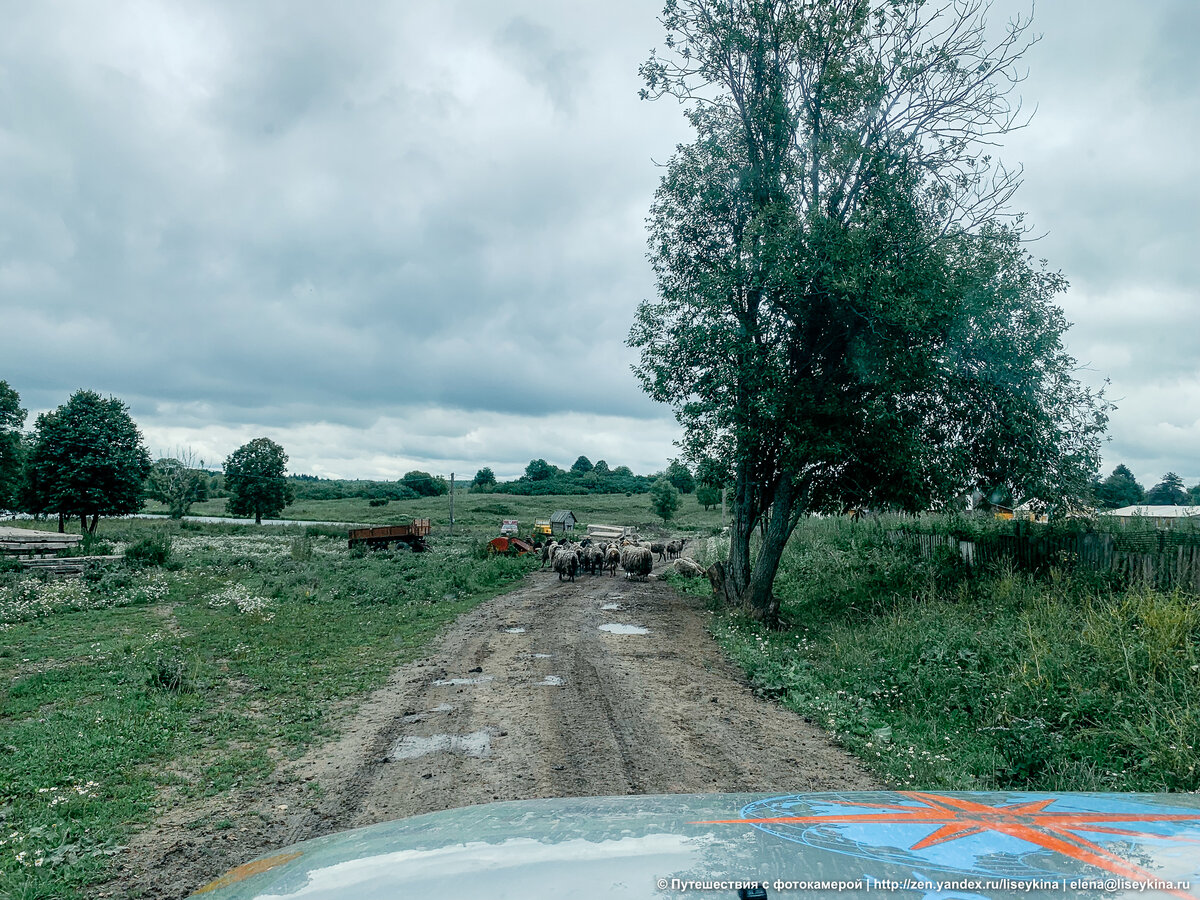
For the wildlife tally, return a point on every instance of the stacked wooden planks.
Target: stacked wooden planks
(27, 542)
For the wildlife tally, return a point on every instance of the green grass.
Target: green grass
(942, 678)
(141, 682)
(481, 514)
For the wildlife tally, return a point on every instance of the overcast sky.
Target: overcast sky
(397, 235)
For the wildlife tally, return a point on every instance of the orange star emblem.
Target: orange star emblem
(1034, 822)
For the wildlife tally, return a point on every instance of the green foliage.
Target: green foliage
(87, 459)
(941, 678)
(1119, 489)
(842, 313)
(255, 480)
(177, 484)
(664, 499)
(680, 476)
(378, 501)
(167, 669)
(424, 484)
(600, 469)
(1168, 492)
(310, 487)
(12, 418)
(539, 470)
(711, 472)
(484, 478)
(152, 550)
(708, 496)
(581, 466)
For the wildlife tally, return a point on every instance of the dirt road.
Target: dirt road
(599, 687)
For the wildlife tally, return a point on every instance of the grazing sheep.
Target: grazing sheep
(548, 552)
(612, 559)
(689, 568)
(675, 548)
(566, 563)
(637, 562)
(659, 548)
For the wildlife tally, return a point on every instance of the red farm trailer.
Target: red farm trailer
(385, 536)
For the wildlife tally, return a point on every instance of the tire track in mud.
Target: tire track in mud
(523, 697)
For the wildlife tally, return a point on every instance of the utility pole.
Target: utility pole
(452, 503)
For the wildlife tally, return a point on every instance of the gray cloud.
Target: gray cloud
(336, 226)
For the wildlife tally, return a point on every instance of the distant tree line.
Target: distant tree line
(87, 459)
(583, 477)
(1121, 489)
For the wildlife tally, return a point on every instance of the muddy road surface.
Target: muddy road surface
(597, 687)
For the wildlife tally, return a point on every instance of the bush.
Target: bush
(378, 501)
(167, 670)
(150, 551)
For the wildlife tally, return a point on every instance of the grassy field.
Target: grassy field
(942, 678)
(481, 514)
(137, 684)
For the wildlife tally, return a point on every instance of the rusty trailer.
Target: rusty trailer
(389, 536)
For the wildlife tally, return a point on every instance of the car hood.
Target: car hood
(992, 844)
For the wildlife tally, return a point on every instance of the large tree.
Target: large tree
(178, 482)
(12, 418)
(1119, 489)
(1168, 492)
(845, 316)
(255, 477)
(86, 459)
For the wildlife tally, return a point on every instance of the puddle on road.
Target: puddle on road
(517, 630)
(614, 628)
(477, 744)
(478, 679)
(551, 681)
(613, 607)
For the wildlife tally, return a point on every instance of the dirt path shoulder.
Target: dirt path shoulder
(597, 687)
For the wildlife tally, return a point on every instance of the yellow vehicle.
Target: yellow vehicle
(541, 529)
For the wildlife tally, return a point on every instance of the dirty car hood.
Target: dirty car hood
(812, 845)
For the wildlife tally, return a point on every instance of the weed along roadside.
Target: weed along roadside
(943, 676)
(197, 664)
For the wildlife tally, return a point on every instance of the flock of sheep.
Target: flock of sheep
(636, 559)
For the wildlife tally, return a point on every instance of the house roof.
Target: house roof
(561, 515)
(1154, 512)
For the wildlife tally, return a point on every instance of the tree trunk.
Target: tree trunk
(82, 522)
(95, 520)
(257, 516)
(733, 576)
(62, 523)
(759, 599)
(751, 589)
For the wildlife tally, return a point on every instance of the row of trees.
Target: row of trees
(1121, 489)
(87, 459)
(583, 477)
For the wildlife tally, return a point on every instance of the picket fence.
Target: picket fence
(1161, 559)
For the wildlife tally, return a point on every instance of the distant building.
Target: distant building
(562, 521)
(1158, 516)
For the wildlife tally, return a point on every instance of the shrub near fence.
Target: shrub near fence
(1157, 558)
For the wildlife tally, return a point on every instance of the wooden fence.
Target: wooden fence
(1161, 559)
